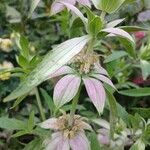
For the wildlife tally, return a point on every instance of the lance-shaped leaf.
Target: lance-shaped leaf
(136, 92)
(119, 32)
(96, 93)
(55, 59)
(109, 6)
(145, 66)
(66, 88)
(114, 23)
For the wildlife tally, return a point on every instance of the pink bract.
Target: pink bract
(67, 87)
(58, 6)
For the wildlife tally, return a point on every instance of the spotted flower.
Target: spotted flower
(67, 136)
(83, 68)
(59, 5)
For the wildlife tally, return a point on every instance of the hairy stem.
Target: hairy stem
(74, 105)
(103, 15)
(90, 45)
(39, 104)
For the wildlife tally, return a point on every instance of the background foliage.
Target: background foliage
(39, 34)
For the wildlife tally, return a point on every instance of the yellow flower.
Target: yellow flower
(5, 75)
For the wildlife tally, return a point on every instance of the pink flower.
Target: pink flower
(59, 5)
(66, 136)
(84, 67)
(139, 35)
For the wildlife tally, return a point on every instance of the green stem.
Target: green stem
(74, 105)
(103, 15)
(90, 45)
(39, 104)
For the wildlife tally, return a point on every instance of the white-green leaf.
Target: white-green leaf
(109, 6)
(34, 4)
(13, 15)
(139, 145)
(119, 32)
(114, 23)
(145, 66)
(55, 59)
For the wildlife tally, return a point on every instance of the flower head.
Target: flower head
(66, 136)
(5, 75)
(6, 45)
(84, 67)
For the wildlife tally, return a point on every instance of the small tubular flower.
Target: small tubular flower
(83, 67)
(66, 136)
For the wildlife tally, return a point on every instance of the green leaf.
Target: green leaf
(133, 28)
(115, 55)
(90, 14)
(129, 1)
(145, 66)
(109, 6)
(24, 46)
(18, 101)
(113, 112)
(144, 112)
(34, 4)
(35, 144)
(31, 123)
(135, 121)
(12, 124)
(20, 133)
(138, 145)
(136, 92)
(55, 59)
(22, 61)
(95, 26)
(122, 113)
(48, 100)
(129, 46)
(95, 145)
(42, 133)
